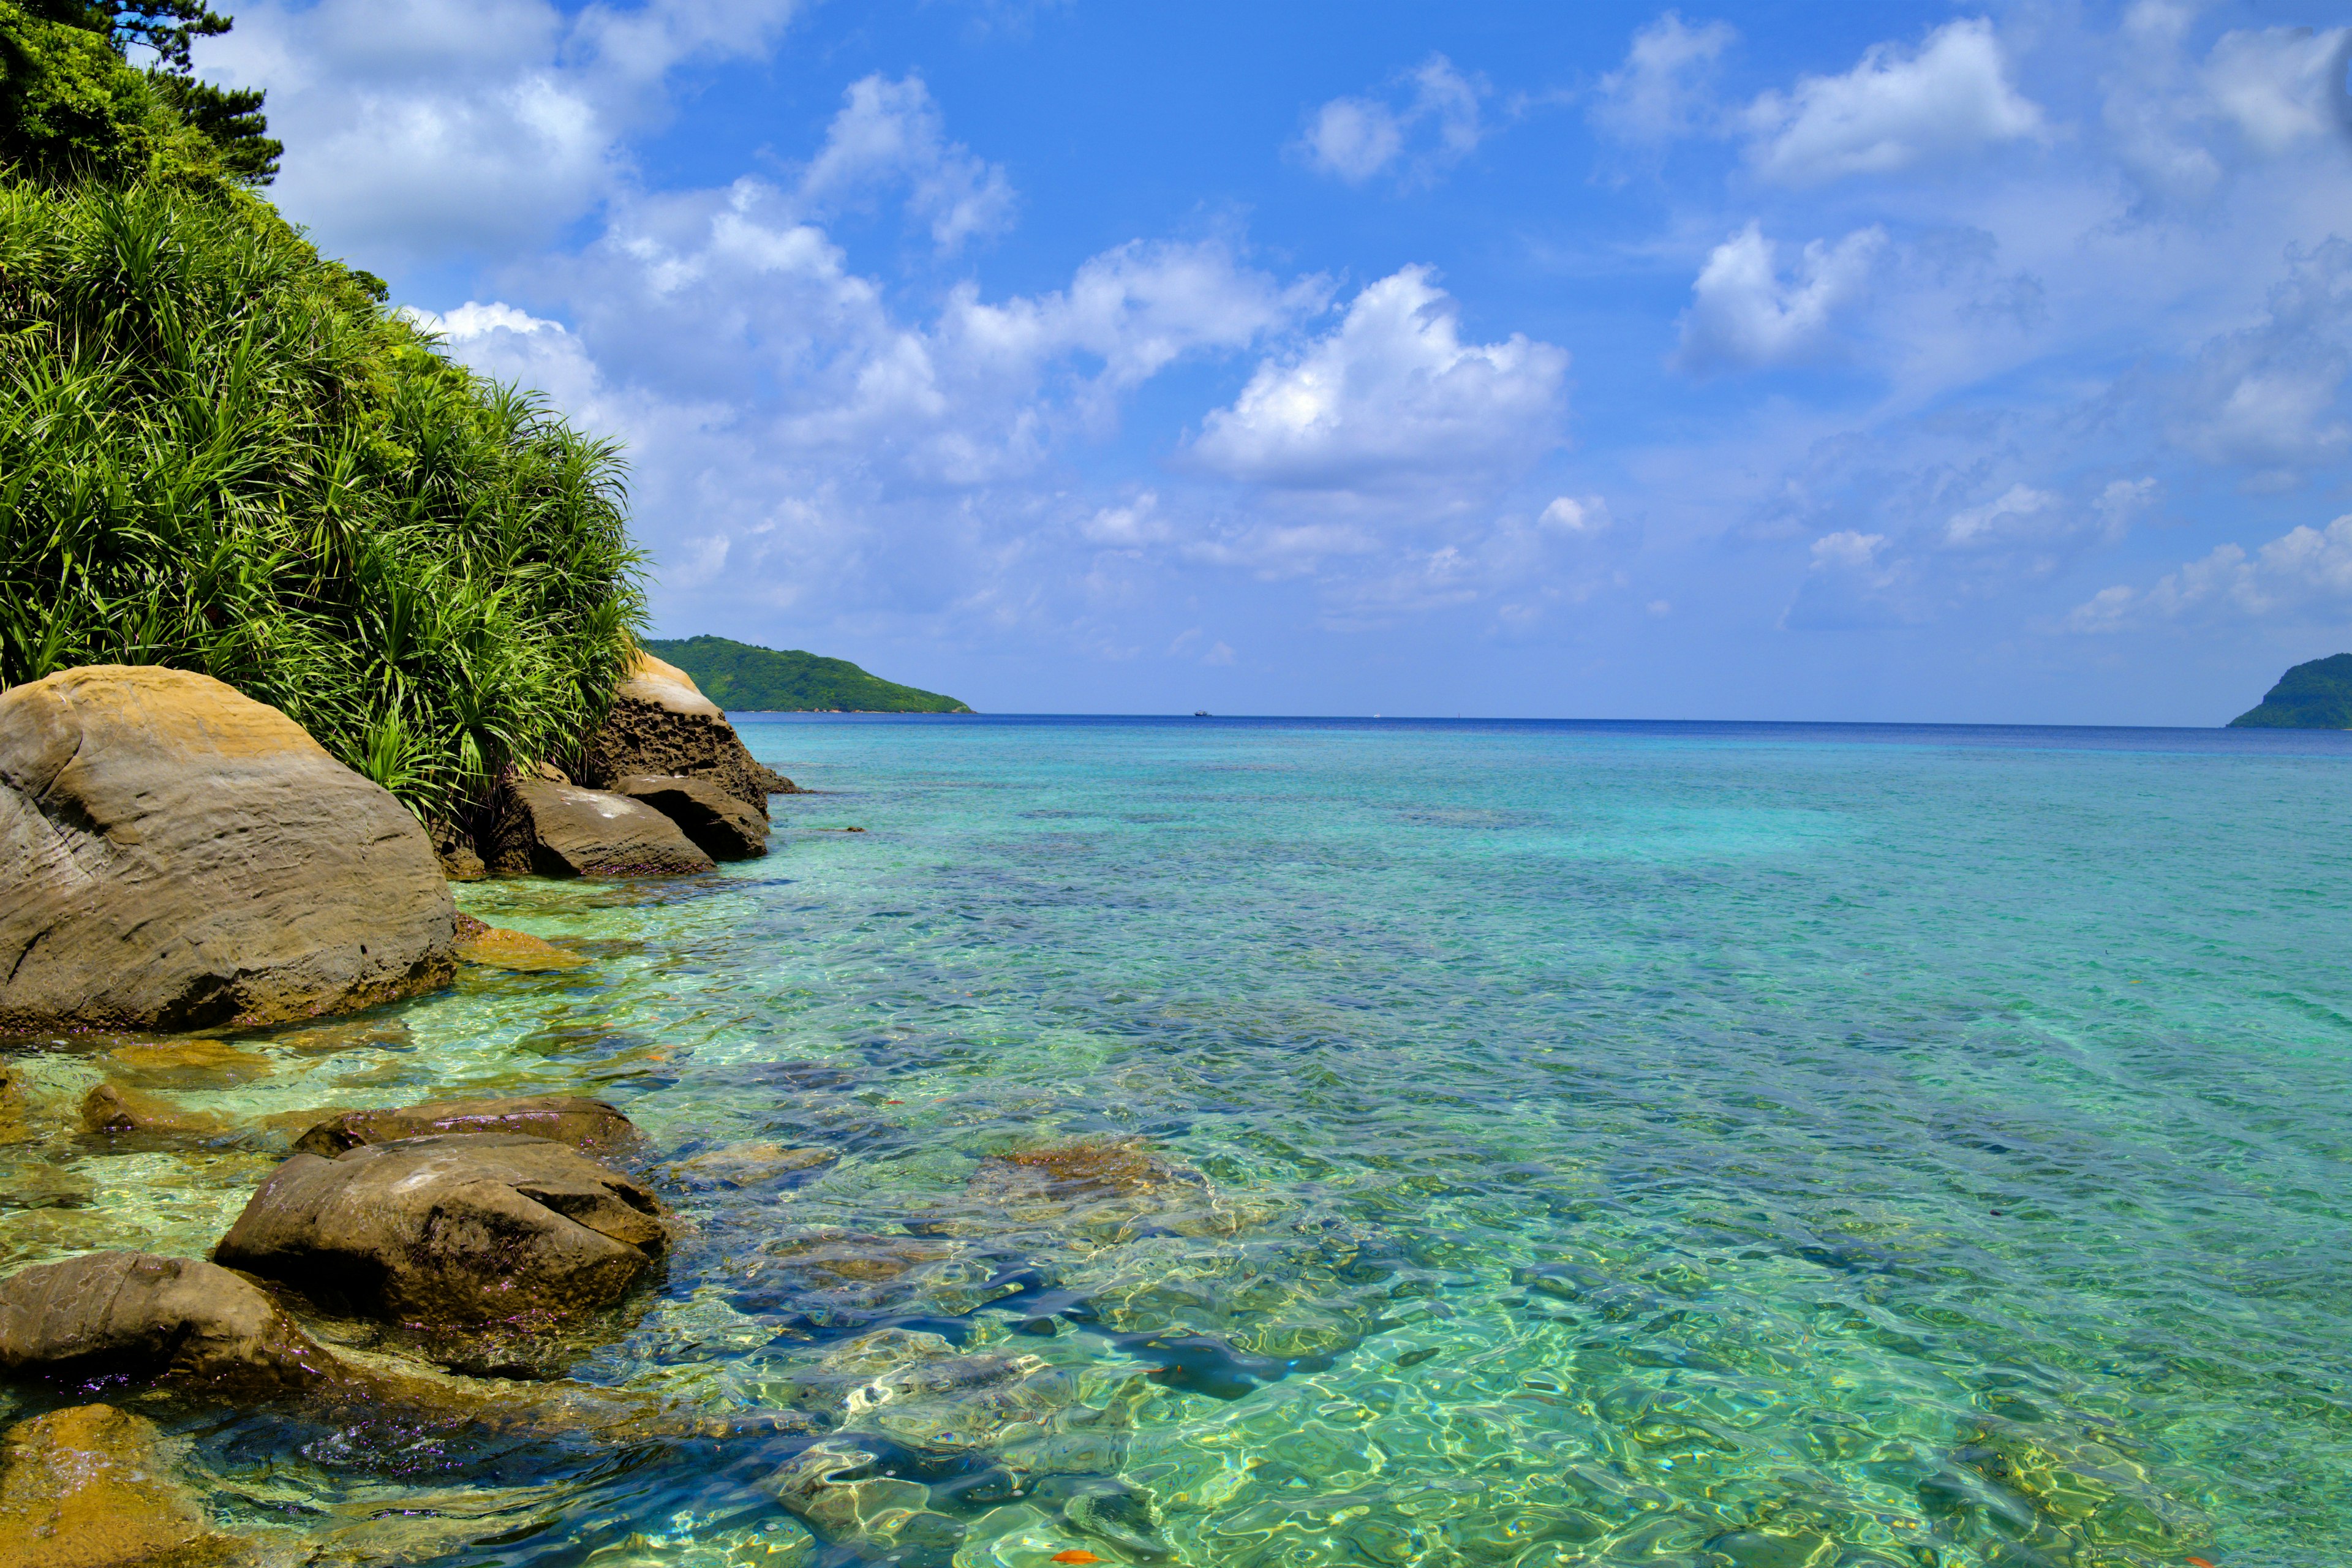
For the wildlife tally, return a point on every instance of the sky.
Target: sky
(1762, 361)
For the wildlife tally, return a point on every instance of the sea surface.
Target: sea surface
(1245, 1142)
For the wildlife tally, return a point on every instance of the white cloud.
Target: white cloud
(1567, 514)
(889, 131)
(2270, 395)
(1892, 110)
(2280, 86)
(1744, 316)
(1848, 550)
(2304, 573)
(419, 126)
(1437, 126)
(2021, 512)
(1393, 396)
(1662, 92)
(1128, 526)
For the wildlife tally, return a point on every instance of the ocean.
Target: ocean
(1269, 1142)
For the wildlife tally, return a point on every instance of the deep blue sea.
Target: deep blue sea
(1513, 1144)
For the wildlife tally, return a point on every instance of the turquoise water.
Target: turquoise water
(1600, 1144)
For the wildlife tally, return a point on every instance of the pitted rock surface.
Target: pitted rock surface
(592, 1125)
(567, 830)
(661, 725)
(140, 1316)
(178, 855)
(456, 1228)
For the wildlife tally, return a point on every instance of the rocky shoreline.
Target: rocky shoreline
(189, 859)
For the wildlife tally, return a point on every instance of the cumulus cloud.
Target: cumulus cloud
(2020, 513)
(2280, 86)
(2180, 126)
(418, 127)
(1894, 109)
(1393, 396)
(1663, 89)
(1744, 315)
(2304, 573)
(1567, 514)
(891, 132)
(2270, 395)
(1428, 123)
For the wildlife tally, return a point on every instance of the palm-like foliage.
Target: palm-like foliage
(219, 452)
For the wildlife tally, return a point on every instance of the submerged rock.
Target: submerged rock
(116, 1113)
(748, 1165)
(592, 1125)
(91, 1487)
(564, 830)
(458, 1228)
(178, 855)
(832, 1487)
(195, 1063)
(139, 1316)
(722, 825)
(494, 948)
(1110, 1190)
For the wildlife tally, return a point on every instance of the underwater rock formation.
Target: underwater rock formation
(594, 1126)
(178, 855)
(462, 1228)
(138, 1316)
(91, 1487)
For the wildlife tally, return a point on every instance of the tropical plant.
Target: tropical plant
(219, 451)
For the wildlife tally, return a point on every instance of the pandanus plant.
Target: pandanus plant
(219, 451)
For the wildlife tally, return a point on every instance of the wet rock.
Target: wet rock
(590, 1125)
(113, 1112)
(724, 826)
(453, 847)
(660, 724)
(749, 1164)
(832, 1487)
(494, 948)
(188, 1064)
(179, 856)
(564, 830)
(136, 1315)
(91, 1487)
(44, 1187)
(459, 1229)
(1111, 1192)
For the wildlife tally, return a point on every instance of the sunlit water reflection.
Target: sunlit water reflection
(1557, 1144)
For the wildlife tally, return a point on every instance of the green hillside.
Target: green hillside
(2314, 696)
(762, 681)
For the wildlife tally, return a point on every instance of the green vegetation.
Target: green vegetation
(2314, 696)
(220, 451)
(762, 681)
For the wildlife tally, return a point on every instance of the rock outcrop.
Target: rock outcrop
(459, 1229)
(137, 1316)
(565, 830)
(91, 1487)
(178, 855)
(721, 825)
(590, 1125)
(494, 947)
(660, 724)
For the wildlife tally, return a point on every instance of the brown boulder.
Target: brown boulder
(461, 1229)
(494, 947)
(661, 725)
(575, 1119)
(564, 830)
(179, 856)
(136, 1315)
(114, 1112)
(91, 1487)
(720, 825)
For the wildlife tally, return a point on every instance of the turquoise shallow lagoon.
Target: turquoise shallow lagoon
(1570, 1144)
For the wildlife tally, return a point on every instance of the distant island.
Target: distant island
(739, 676)
(2314, 696)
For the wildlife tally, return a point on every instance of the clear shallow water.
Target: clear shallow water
(1607, 1143)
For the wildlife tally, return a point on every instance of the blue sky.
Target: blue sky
(1896, 361)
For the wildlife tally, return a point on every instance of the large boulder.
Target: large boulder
(458, 1228)
(178, 855)
(91, 1486)
(720, 825)
(591, 1125)
(136, 1316)
(564, 830)
(661, 724)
